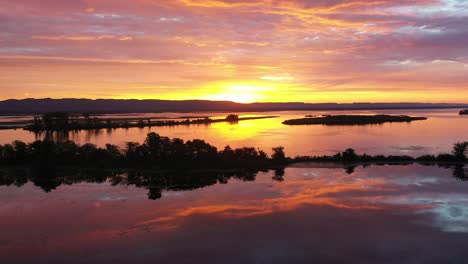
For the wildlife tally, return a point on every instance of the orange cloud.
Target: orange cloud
(340, 50)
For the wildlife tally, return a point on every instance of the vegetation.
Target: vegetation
(464, 112)
(460, 150)
(164, 153)
(232, 118)
(160, 163)
(62, 121)
(351, 120)
(349, 156)
(154, 152)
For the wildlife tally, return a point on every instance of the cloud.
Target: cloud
(338, 44)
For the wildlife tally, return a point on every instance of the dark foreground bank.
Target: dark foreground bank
(158, 152)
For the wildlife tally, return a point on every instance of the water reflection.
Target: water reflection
(460, 172)
(384, 214)
(48, 179)
(62, 136)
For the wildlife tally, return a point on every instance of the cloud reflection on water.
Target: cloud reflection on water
(379, 207)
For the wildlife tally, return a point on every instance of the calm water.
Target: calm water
(435, 135)
(379, 214)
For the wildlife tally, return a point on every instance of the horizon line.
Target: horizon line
(226, 101)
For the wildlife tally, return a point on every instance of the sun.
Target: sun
(237, 92)
(242, 98)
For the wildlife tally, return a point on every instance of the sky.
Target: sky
(239, 50)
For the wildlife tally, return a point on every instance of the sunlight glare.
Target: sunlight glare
(238, 92)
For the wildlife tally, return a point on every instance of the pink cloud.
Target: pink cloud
(363, 41)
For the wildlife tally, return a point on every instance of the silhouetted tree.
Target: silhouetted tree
(67, 150)
(113, 152)
(56, 120)
(9, 154)
(445, 158)
(154, 145)
(278, 155)
(459, 150)
(178, 151)
(133, 151)
(20, 149)
(227, 154)
(88, 152)
(232, 118)
(349, 155)
(2, 156)
(262, 155)
(200, 150)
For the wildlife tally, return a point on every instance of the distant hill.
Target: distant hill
(101, 106)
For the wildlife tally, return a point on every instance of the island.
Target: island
(351, 119)
(464, 112)
(63, 121)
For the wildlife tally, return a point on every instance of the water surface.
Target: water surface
(378, 214)
(433, 136)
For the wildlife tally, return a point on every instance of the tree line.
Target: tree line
(349, 156)
(155, 152)
(165, 153)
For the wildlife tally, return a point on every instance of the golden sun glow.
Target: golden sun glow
(238, 92)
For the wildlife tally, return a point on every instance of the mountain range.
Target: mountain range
(102, 106)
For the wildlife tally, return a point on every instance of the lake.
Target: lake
(433, 136)
(304, 214)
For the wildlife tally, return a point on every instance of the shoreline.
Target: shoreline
(298, 164)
